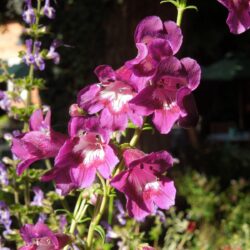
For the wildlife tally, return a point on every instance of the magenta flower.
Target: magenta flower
(29, 14)
(40, 237)
(144, 184)
(168, 96)
(79, 159)
(110, 98)
(155, 41)
(39, 143)
(238, 18)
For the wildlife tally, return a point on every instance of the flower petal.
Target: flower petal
(174, 35)
(143, 103)
(193, 72)
(165, 119)
(83, 176)
(109, 164)
(149, 26)
(165, 197)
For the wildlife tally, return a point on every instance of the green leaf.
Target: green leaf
(101, 232)
(170, 1)
(84, 220)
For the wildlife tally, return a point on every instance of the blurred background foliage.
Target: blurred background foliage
(213, 178)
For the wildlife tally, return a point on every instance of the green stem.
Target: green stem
(97, 214)
(48, 164)
(27, 189)
(135, 137)
(180, 11)
(111, 209)
(74, 222)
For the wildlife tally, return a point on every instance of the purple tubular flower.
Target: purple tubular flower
(5, 219)
(39, 236)
(38, 60)
(4, 181)
(110, 98)
(52, 54)
(5, 101)
(48, 10)
(29, 14)
(169, 96)
(38, 198)
(155, 41)
(42, 218)
(28, 58)
(121, 216)
(238, 18)
(62, 222)
(143, 182)
(79, 159)
(41, 142)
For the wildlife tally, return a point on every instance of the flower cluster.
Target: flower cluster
(155, 82)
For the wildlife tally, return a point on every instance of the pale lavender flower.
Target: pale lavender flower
(29, 14)
(28, 58)
(39, 62)
(38, 198)
(48, 10)
(5, 102)
(52, 54)
(42, 218)
(122, 214)
(110, 233)
(4, 181)
(5, 218)
(62, 222)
